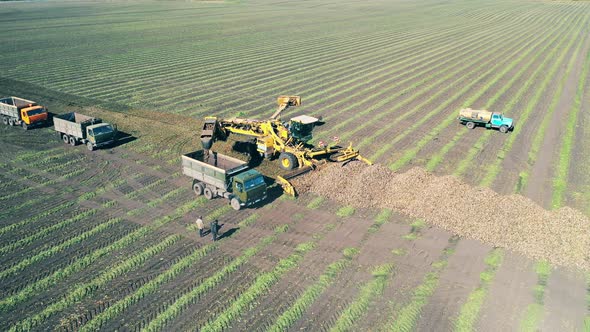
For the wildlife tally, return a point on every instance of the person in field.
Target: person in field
(214, 229)
(200, 226)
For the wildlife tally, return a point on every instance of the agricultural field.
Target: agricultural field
(106, 240)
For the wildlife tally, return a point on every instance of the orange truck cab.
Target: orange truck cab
(16, 111)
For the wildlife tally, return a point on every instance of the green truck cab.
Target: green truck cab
(218, 175)
(74, 128)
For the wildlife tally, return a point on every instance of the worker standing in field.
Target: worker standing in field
(200, 226)
(214, 229)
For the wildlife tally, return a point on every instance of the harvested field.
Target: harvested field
(451, 229)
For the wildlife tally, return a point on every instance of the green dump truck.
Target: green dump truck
(472, 118)
(16, 111)
(75, 128)
(215, 174)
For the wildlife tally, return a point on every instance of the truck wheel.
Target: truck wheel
(198, 188)
(24, 125)
(11, 122)
(208, 193)
(235, 204)
(66, 139)
(5, 120)
(89, 146)
(287, 161)
(503, 129)
(72, 141)
(470, 125)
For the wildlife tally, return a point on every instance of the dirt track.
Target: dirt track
(512, 221)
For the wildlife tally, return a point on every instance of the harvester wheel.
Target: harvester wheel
(470, 125)
(235, 204)
(503, 129)
(287, 161)
(208, 193)
(198, 188)
(89, 146)
(72, 141)
(66, 139)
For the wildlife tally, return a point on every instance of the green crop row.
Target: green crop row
(438, 157)
(533, 313)
(87, 260)
(42, 215)
(524, 175)
(46, 231)
(382, 218)
(178, 306)
(430, 97)
(304, 62)
(316, 203)
(83, 290)
(260, 286)
(411, 153)
(55, 249)
(305, 300)
(149, 288)
(425, 83)
(405, 320)
(367, 294)
(492, 172)
(565, 151)
(377, 74)
(368, 75)
(469, 312)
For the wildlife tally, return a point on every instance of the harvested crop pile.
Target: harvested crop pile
(511, 221)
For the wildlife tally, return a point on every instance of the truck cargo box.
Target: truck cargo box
(476, 115)
(213, 168)
(74, 124)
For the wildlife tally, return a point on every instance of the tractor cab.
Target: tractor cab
(301, 127)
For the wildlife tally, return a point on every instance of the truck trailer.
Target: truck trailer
(16, 111)
(215, 174)
(75, 128)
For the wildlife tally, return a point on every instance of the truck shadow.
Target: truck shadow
(123, 138)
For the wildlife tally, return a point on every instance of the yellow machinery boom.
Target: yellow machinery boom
(274, 137)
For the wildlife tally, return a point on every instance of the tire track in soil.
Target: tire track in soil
(509, 293)
(565, 301)
(349, 233)
(410, 266)
(459, 279)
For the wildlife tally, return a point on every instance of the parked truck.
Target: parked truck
(75, 128)
(471, 118)
(21, 112)
(215, 174)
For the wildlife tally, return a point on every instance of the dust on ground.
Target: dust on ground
(562, 236)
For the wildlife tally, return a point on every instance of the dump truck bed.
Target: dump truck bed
(11, 105)
(475, 115)
(214, 168)
(73, 124)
